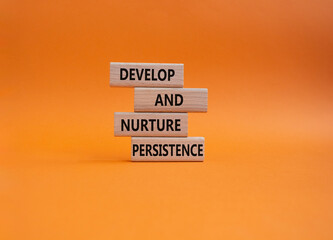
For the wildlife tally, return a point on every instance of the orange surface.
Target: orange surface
(269, 127)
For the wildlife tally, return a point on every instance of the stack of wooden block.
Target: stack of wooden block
(159, 124)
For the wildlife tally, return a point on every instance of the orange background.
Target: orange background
(269, 127)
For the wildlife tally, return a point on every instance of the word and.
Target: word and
(173, 100)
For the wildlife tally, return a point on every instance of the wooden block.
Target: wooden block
(167, 149)
(170, 99)
(146, 75)
(150, 124)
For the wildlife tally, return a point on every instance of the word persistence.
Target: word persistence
(168, 149)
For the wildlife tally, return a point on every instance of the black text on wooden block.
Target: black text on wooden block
(170, 99)
(150, 124)
(146, 74)
(167, 149)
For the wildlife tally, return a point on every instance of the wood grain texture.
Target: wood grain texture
(142, 149)
(193, 99)
(155, 70)
(150, 124)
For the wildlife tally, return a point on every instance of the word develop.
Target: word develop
(146, 74)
